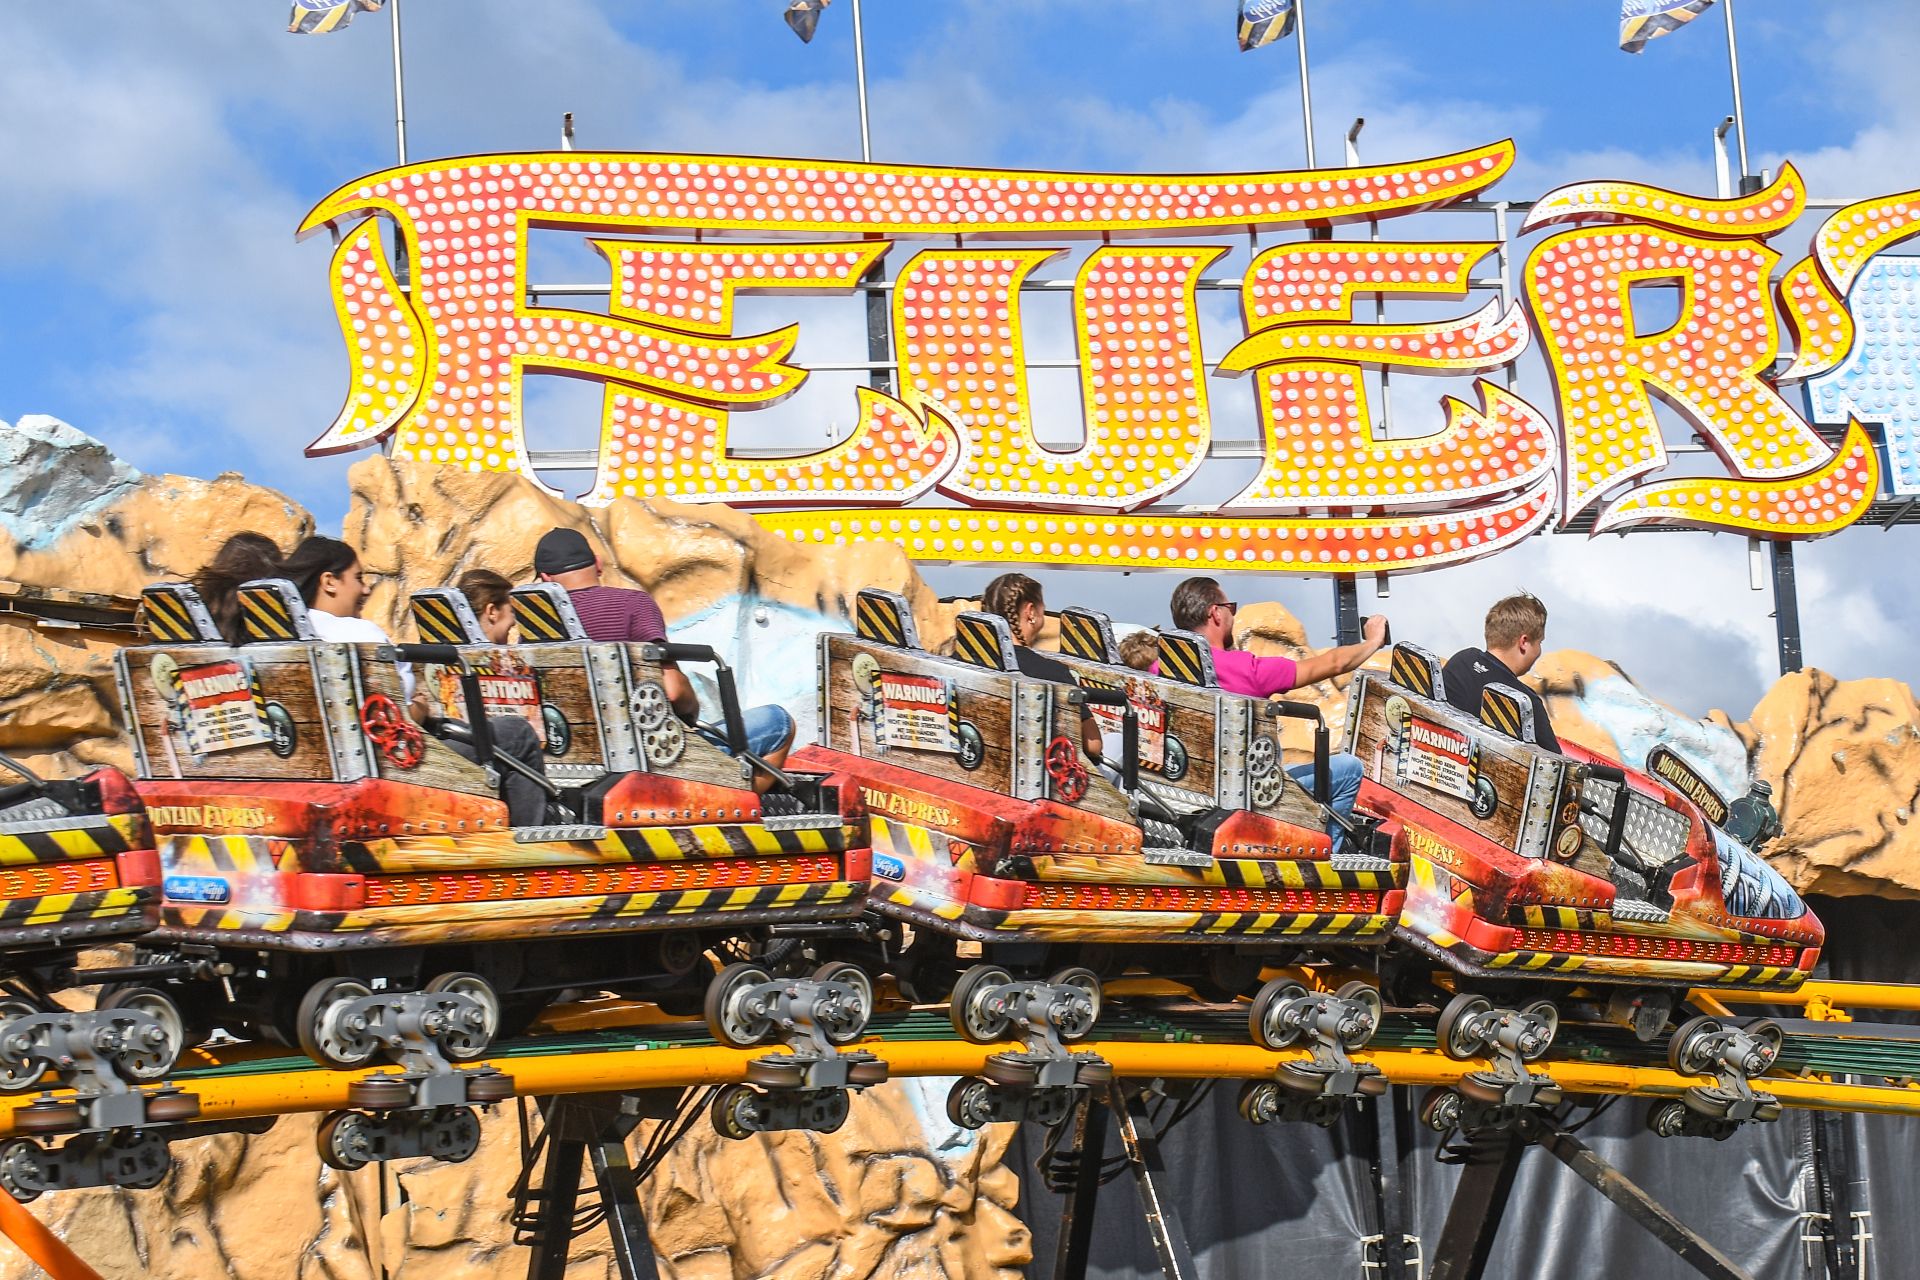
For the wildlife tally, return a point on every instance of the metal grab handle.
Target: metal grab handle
(1616, 824)
(1129, 728)
(1322, 747)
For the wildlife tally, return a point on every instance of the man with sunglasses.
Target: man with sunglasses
(1200, 606)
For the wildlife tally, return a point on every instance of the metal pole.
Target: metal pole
(400, 86)
(1306, 84)
(860, 75)
(1739, 109)
(1786, 608)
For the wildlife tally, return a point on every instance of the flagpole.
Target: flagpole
(860, 75)
(1306, 84)
(1739, 107)
(400, 87)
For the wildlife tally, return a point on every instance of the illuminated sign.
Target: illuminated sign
(952, 467)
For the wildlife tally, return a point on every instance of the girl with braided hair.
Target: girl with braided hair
(1018, 599)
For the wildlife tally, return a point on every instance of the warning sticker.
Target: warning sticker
(219, 708)
(508, 687)
(917, 712)
(1438, 757)
(1149, 710)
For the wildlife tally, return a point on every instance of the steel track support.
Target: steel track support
(1087, 1154)
(1838, 1186)
(1641, 1207)
(1143, 1154)
(1479, 1203)
(593, 1127)
(1380, 1135)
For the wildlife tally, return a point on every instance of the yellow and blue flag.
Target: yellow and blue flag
(1644, 20)
(319, 17)
(803, 16)
(1264, 21)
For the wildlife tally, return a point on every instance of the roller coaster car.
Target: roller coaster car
(989, 822)
(314, 837)
(1531, 864)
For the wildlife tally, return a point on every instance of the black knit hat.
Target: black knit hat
(562, 551)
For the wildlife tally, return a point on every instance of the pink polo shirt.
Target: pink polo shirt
(1238, 671)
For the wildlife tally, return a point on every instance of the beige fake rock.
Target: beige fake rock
(874, 1201)
(421, 525)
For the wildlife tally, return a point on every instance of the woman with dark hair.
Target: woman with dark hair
(1017, 598)
(242, 558)
(491, 597)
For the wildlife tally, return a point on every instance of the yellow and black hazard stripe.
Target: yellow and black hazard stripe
(539, 617)
(437, 622)
(1247, 873)
(242, 854)
(65, 908)
(1411, 671)
(909, 840)
(265, 615)
(876, 619)
(112, 834)
(1182, 660)
(168, 618)
(1503, 711)
(747, 898)
(1553, 917)
(1307, 924)
(1758, 975)
(710, 840)
(1539, 961)
(1080, 637)
(977, 641)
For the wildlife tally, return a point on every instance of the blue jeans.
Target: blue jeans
(770, 727)
(1343, 784)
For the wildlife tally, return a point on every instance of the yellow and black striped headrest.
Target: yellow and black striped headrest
(544, 612)
(1086, 633)
(175, 614)
(1416, 670)
(443, 616)
(984, 640)
(1187, 658)
(271, 609)
(884, 617)
(1507, 709)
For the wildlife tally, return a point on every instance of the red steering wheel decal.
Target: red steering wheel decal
(398, 738)
(1064, 767)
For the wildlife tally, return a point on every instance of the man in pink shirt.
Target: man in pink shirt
(1200, 606)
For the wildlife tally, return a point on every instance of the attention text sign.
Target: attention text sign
(951, 465)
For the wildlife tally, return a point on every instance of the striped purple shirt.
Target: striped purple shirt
(618, 613)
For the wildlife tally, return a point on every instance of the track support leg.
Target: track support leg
(1479, 1203)
(1088, 1153)
(592, 1127)
(1143, 1153)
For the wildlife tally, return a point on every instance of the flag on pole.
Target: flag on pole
(804, 15)
(1264, 21)
(1644, 20)
(319, 17)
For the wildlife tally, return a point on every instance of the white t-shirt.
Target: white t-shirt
(338, 630)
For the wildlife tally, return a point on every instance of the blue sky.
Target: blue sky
(159, 157)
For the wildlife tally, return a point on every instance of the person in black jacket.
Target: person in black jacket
(1516, 628)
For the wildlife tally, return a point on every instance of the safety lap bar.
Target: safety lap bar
(1322, 744)
(1617, 824)
(1129, 728)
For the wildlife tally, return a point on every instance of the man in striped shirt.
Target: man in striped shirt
(622, 614)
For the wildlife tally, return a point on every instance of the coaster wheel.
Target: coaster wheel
(1687, 1052)
(23, 1072)
(324, 1033)
(149, 1062)
(737, 1112)
(1545, 1011)
(970, 1103)
(1442, 1110)
(1455, 1029)
(1263, 1016)
(846, 1032)
(967, 1010)
(345, 1141)
(1085, 980)
(1365, 1026)
(728, 1017)
(1772, 1039)
(466, 1043)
